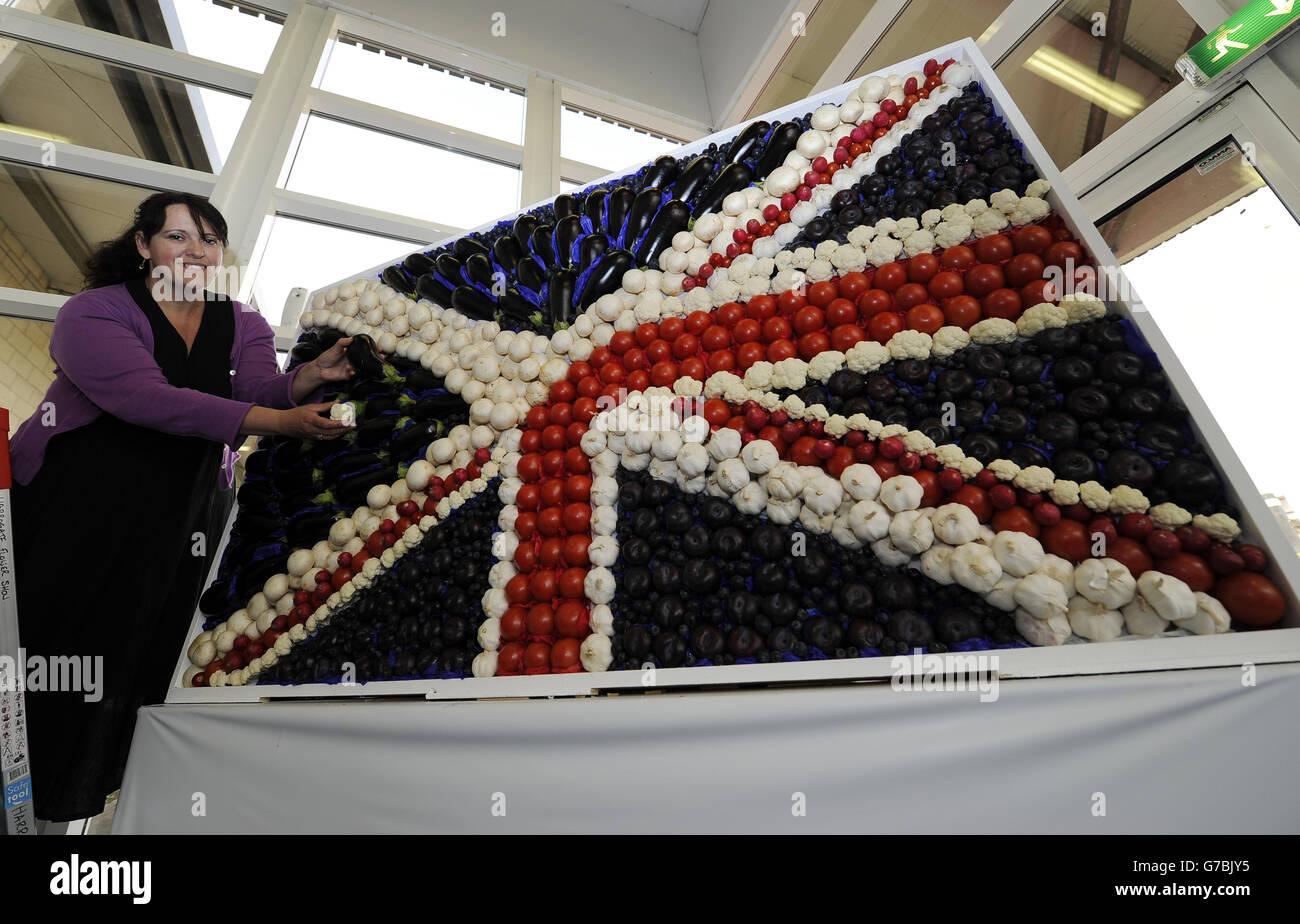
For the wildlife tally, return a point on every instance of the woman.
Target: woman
(115, 473)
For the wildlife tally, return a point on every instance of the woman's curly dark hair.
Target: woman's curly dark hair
(118, 260)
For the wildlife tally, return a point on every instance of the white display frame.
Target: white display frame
(1176, 652)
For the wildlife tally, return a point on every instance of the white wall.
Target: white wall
(734, 37)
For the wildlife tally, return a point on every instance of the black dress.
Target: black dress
(106, 536)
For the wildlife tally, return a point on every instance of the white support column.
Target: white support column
(243, 191)
(541, 166)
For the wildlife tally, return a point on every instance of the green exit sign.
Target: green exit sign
(1245, 32)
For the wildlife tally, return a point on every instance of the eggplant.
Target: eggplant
(591, 249)
(779, 145)
(594, 207)
(395, 278)
(515, 306)
(662, 172)
(258, 462)
(565, 204)
(213, 600)
(255, 493)
(466, 247)
(327, 338)
(606, 277)
(306, 529)
(286, 453)
(673, 217)
(417, 264)
(747, 141)
(305, 351)
(619, 204)
(472, 303)
(438, 406)
(376, 430)
(567, 232)
(379, 404)
(530, 274)
(560, 295)
(251, 522)
(430, 287)
(359, 389)
(449, 268)
(731, 178)
(350, 463)
(422, 380)
(693, 178)
(479, 269)
(543, 246)
(414, 439)
(522, 229)
(251, 577)
(643, 212)
(296, 479)
(364, 357)
(352, 490)
(507, 252)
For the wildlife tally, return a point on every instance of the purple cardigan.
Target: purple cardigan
(102, 347)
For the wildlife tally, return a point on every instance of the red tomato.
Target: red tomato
(853, 284)
(922, 267)
(686, 345)
(537, 658)
(1192, 570)
(577, 487)
(976, 498)
(562, 392)
(821, 294)
(692, 367)
(931, 493)
(576, 551)
(526, 557)
(541, 584)
(909, 294)
(729, 314)
(576, 461)
(579, 371)
(589, 386)
(510, 659)
(889, 277)
(760, 307)
(541, 617)
(1016, 518)
(841, 460)
(571, 583)
(611, 374)
(809, 318)
(1129, 553)
(526, 526)
(812, 344)
(750, 353)
(1031, 239)
(553, 437)
(530, 466)
(671, 328)
(841, 311)
(697, 321)
(571, 620)
(1037, 292)
(874, 301)
(1023, 269)
(778, 350)
(722, 361)
(715, 338)
(658, 351)
(599, 357)
(845, 336)
(925, 318)
(747, 331)
(577, 518)
(1002, 303)
(883, 326)
(885, 468)
(635, 358)
(993, 249)
(565, 654)
(775, 329)
(514, 624)
(646, 334)
(530, 441)
(621, 342)
(553, 463)
(664, 374)
(716, 411)
(801, 453)
(1069, 539)
(1251, 599)
(790, 301)
(575, 431)
(551, 553)
(946, 285)
(637, 381)
(551, 493)
(1061, 251)
(517, 589)
(983, 278)
(957, 258)
(537, 418)
(550, 521)
(962, 311)
(584, 409)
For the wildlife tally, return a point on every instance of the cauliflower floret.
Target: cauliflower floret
(723, 292)
(1004, 200)
(1038, 189)
(824, 250)
(886, 226)
(824, 365)
(866, 356)
(994, 330)
(769, 401)
(787, 279)
(905, 227)
(1220, 526)
(1040, 317)
(951, 233)
(910, 344)
(783, 260)
(1169, 516)
(688, 387)
(954, 212)
(717, 384)
(1065, 492)
(930, 218)
(918, 442)
(1034, 479)
(794, 406)
(1095, 497)
(918, 242)
(883, 249)
(759, 375)
(861, 235)
(860, 422)
(1028, 211)
(989, 222)
(970, 467)
(837, 425)
(949, 455)
(803, 257)
(849, 258)
(820, 270)
(1005, 469)
(891, 430)
(1125, 499)
(948, 340)
(1080, 307)
(975, 208)
(790, 373)
(817, 412)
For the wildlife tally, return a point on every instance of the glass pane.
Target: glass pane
(26, 369)
(1232, 332)
(310, 255)
(423, 89)
(1080, 76)
(603, 143)
(929, 24)
(234, 34)
(380, 171)
(567, 186)
(75, 99)
(51, 221)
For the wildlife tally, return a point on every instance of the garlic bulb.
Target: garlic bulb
(1140, 618)
(1105, 581)
(1094, 621)
(1167, 595)
(860, 482)
(1041, 596)
(1053, 631)
(1059, 570)
(911, 532)
(936, 563)
(955, 524)
(1210, 617)
(888, 553)
(869, 520)
(974, 567)
(751, 499)
(901, 492)
(484, 664)
(597, 653)
(1018, 553)
(1002, 593)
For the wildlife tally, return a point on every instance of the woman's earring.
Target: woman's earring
(143, 261)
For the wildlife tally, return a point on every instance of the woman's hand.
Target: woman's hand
(306, 422)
